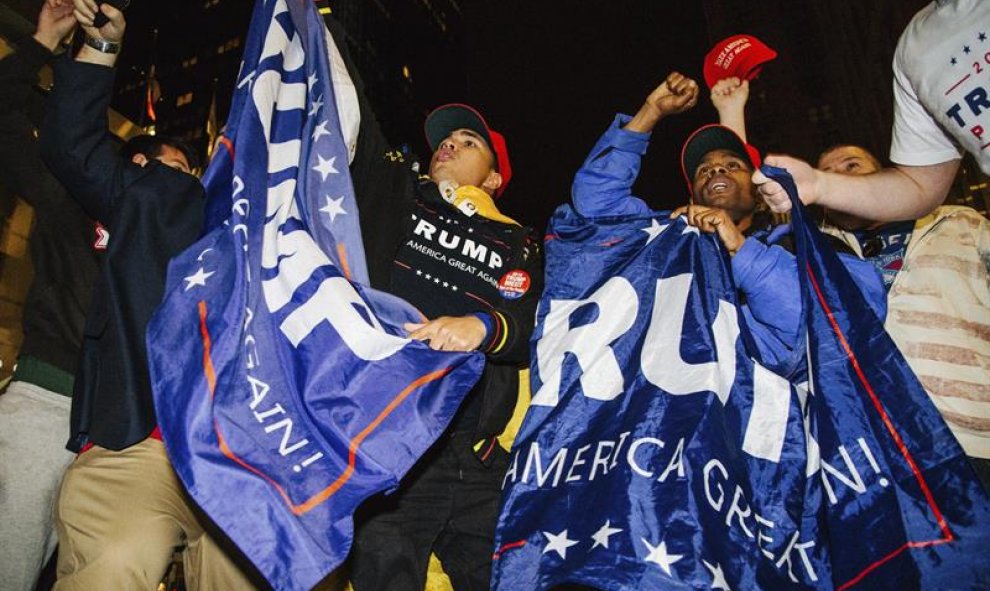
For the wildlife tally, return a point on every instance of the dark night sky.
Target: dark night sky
(552, 74)
(549, 74)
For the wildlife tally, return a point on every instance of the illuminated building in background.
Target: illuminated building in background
(406, 52)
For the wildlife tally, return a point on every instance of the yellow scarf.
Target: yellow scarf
(471, 198)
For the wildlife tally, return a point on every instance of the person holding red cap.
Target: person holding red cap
(717, 166)
(440, 242)
(941, 112)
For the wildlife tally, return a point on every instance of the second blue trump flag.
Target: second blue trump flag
(659, 453)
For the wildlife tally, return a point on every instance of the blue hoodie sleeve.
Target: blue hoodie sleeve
(768, 278)
(603, 185)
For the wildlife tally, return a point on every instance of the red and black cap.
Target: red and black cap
(448, 118)
(713, 137)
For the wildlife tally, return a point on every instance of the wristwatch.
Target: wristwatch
(102, 45)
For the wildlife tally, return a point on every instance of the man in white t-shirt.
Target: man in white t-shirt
(941, 107)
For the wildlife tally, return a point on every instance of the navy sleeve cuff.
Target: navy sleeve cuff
(485, 319)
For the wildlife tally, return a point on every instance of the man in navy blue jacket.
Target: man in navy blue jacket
(121, 511)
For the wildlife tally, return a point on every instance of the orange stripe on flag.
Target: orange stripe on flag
(342, 253)
(226, 143)
(355, 443)
(510, 546)
(211, 376)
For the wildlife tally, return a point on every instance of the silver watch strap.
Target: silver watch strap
(102, 45)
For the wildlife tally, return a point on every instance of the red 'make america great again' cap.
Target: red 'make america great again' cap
(447, 118)
(739, 56)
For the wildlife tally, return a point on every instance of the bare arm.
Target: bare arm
(893, 194)
(729, 96)
(75, 142)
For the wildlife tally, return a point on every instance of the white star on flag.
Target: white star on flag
(311, 81)
(603, 534)
(325, 167)
(718, 577)
(315, 107)
(321, 130)
(689, 229)
(333, 208)
(658, 555)
(558, 543)
(654, 230)
(197, 278)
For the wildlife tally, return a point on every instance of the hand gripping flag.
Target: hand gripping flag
(659, 453)
(284, 390)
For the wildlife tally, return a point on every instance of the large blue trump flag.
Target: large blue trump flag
(659, 453)
(283, 387)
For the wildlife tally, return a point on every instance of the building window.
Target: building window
(230, 44)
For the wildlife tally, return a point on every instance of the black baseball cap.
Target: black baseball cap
(448, 118)
(713, 137)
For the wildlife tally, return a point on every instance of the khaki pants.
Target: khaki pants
(120, 515)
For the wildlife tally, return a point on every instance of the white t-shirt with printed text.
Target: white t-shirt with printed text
(942, 85)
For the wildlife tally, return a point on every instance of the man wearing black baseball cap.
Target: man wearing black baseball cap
(717, 166)
(713, 160)
(466, 121)
(440, 242)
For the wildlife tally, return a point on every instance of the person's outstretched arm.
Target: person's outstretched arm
(729, 96)
(21, 168)
(603, 184)
(75, 139)
(893, 194)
